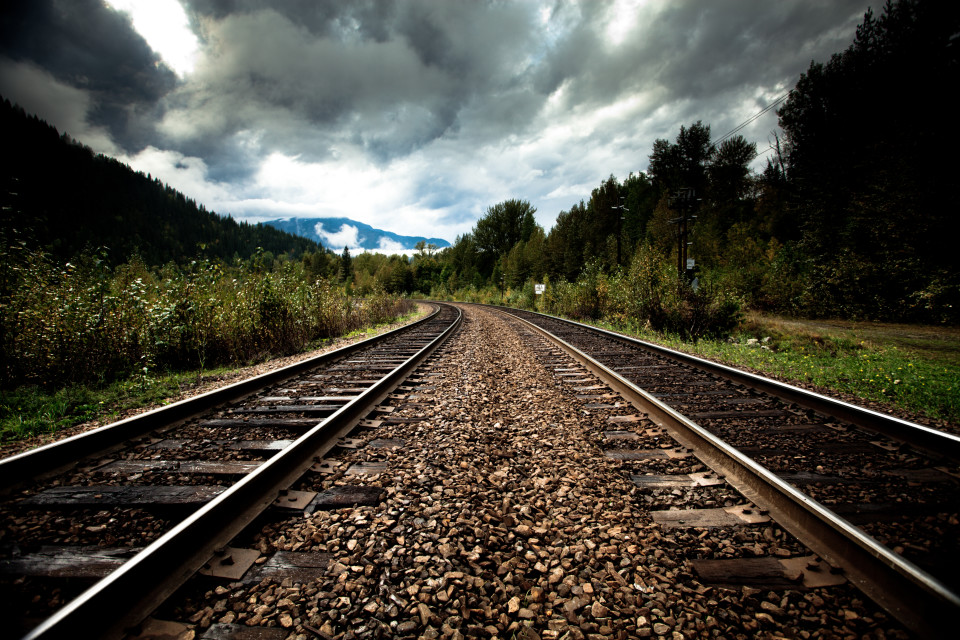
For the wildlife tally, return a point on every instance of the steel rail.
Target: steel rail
(918, 600)
(126, 596)
(935, 443)
(60, 455)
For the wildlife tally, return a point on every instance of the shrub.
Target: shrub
(83, 323)
(652, 293)
(668, 303)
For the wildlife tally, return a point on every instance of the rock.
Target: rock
(527, 633)
(771, 608)
(425, 613)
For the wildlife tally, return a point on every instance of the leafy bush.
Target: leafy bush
(651, 292)
(659, 295)
(85, 323)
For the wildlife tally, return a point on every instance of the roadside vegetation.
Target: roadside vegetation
(81, 336)
(866, 360)
(34, 410)
(912, 367)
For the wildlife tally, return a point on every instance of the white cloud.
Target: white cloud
(347, 236)
(386, 245)
(166, 28)
(186, 174)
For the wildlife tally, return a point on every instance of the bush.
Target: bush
(652, 293)
(668, 303)
(83, 323)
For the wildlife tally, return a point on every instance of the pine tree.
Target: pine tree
(345, 272)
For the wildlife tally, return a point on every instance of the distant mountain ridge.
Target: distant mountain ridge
(336, 233)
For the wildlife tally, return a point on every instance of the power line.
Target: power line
(751, 119)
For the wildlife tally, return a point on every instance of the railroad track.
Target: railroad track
(142, 505)
(507, 488)
(875, 496)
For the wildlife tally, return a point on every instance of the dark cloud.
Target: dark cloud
(83, 44)
(478, 100)
(322, 18)
(399, 76)
(698, 50)
(393, 77)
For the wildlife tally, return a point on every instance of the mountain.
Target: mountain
(336, 233)
(59, 196)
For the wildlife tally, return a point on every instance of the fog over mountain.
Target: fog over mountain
(337, 233)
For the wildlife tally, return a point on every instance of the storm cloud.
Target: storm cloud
(411, 116)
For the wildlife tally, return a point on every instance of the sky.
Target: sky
(410, 116)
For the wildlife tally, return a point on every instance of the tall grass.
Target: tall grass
(85, 323)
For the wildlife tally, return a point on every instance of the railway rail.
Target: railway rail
(502, 484)
(506, 512)
(874, 495)
(183, 480)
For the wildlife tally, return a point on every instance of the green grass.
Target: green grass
(30, 410)
(915, 368)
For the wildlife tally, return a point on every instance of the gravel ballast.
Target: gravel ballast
(502, 517)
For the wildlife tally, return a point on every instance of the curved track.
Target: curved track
(872, 494)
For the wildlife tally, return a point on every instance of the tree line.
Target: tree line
(850, 217)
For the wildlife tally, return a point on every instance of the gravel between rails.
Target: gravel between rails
(503, 518)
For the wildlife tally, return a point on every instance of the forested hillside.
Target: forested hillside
(852, 216)
(58, 195)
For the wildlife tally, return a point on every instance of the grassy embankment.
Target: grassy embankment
(30, 410)
(916, 368)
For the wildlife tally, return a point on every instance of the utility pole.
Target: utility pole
(685, 201)
(622, 209)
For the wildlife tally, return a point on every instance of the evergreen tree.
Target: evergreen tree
(101, 202)
(683, 164)
(345, 270)
(501, 228)
(872, 202)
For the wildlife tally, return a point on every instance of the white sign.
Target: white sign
(690, 263)
(539, 288)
